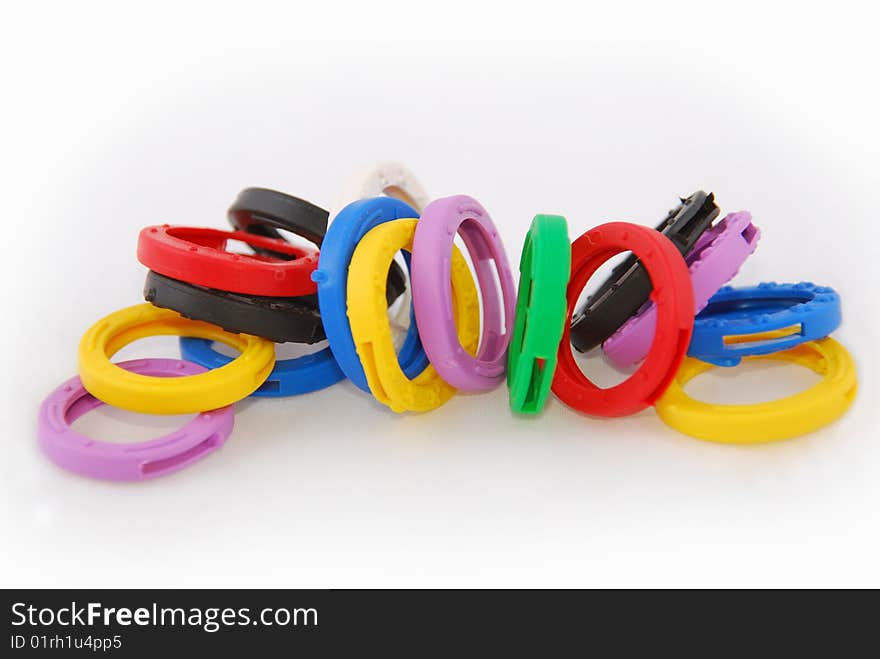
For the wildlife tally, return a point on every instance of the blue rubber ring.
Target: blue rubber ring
(331, 276)
(290, 377)
(813, 310)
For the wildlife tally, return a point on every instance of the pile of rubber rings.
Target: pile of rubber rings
(665, 309)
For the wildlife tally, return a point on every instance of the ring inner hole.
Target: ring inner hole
(149, 347)
(400, 311)
(399, 193)
(295, 239)
(753, 381)
(763, 338)
(111, 424)
(592, 364)
(487, 350)
(234, 246)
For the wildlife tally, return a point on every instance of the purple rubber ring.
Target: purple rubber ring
(715, 259)
(127, 462)
(432, 295)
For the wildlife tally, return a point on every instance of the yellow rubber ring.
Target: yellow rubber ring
(157, 395)
(774, 420)
(367, 314)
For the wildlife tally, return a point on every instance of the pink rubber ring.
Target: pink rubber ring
(715, 259)
(432, 295)
(127, 462)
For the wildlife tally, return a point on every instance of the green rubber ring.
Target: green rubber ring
(541, 312)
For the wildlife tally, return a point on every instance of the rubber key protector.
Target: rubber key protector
(674, 297)
(199, 256)
(289, 377)
(156, 395)
(541, 315)
(371, 330)
(263, 212)
(715, 260)
(279, 319)
(758, 320)
(628, 286)
(385, 178)
(773, 420)
(344, 235)
(127, 461)
(432, 296)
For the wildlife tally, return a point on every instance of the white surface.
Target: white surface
(114, 119)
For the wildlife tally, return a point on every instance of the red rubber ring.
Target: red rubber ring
(198, 256)
(673, 294)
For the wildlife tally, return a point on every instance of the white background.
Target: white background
(114, 118)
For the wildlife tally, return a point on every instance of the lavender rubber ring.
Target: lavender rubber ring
(432, 295)
(715, 259)
(127, 462)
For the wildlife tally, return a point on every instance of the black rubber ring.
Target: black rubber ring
(263, 212)
(628, 286)
(279, 319)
